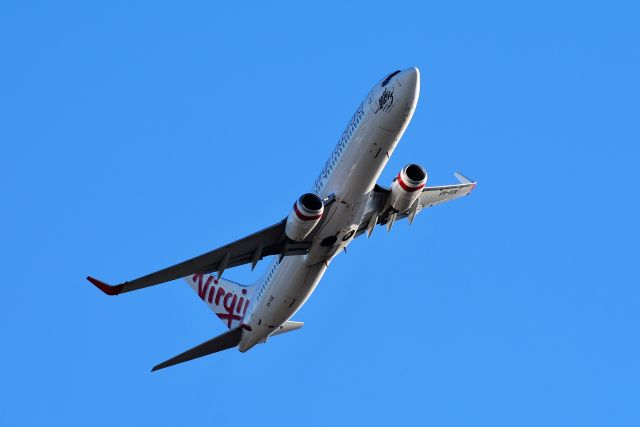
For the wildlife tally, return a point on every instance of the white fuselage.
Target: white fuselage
(350, 175)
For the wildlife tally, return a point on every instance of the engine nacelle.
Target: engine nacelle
(406, 188)
(304, 216)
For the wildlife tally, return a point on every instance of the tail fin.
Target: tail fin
(228, 300)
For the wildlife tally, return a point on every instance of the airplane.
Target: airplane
(345, 202)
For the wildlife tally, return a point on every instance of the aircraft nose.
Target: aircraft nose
(396, 97)
(410, 79)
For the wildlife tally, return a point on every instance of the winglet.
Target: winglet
(107, 289)
(464, 180)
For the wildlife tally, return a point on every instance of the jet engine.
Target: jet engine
(406, 188)
(304, 216)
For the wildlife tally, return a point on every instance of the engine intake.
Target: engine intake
(305, 215)
(406, 188)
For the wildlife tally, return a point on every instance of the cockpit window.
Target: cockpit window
(389, 77)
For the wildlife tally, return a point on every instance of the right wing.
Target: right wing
(249, 250)
(432, 196)
(379, 212)
(270, 241)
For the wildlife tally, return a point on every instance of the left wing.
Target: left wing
(379, 213)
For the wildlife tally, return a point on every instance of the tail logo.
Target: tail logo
(226, 304)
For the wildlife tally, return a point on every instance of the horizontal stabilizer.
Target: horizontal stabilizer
(288, 326)
(225, 341)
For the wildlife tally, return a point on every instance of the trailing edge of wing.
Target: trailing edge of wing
(225, 341)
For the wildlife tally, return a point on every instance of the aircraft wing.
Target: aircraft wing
(379, 213)
(432, 196)
(270, 241)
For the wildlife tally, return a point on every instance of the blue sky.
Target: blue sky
(137, 134)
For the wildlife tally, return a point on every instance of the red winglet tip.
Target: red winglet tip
(107, 289)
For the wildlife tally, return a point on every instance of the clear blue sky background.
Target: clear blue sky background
(137, 134)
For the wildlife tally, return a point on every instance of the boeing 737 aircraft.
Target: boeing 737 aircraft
(343, 203)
